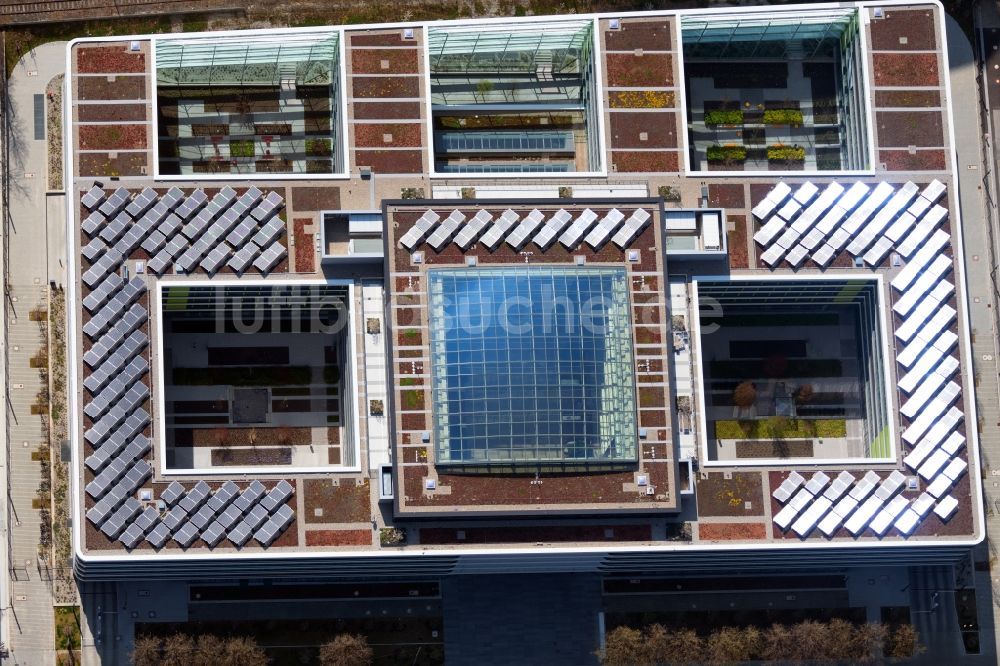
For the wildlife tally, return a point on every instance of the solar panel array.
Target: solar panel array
(191, 232)
(867, 221)
(590, 227)
(871, 222)
(186, 232)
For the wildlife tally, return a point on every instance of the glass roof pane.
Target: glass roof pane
(532, 365)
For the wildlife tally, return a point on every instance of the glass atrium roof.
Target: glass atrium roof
(532, 365)
(309, 57)
(762, 34)
(510, 47)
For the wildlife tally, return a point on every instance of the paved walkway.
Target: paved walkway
(30, 631)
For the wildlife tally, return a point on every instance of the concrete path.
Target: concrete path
(30, 631)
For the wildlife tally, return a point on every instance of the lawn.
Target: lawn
(67, 631)
(778, 427)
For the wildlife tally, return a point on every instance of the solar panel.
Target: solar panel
(172, 493)
(767, 233)
(213, 534)
(635, 223)
(605, 228)
(581, 226)
(250, 495)
(934, 191)
(807, 521)
(186, 535)
(269, 258)
(277, 496)
(523, 232)
(860, 518)
(469, 233)
(884, 519)
(203, 516)
(445, 231)
(773, 255)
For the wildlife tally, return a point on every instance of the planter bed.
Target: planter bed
(789, 448)
(90, 88)
(315, 198)
(905, 69)
(339, 537)
(641, 99)
(111, 137)
(629, 70)
(916, 25)
(898, 129)
(101, 164)
(726, 195)
(922, 160)
(403, 135)
(385, 86)
(349, 502)
(225, 436)
(736, 241)
(369, 61)
(652, 35)
(305, 252)
(391, 161)
(232, 457)
(108, 59)
(110, 112)
(386, 110)
(907, 98)
(659, 129)
(718, 496)
(732, 531)
(389, 39)
(645, 162)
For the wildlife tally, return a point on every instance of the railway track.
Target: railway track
(24, 13)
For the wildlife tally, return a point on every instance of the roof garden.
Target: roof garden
(237, 105)
(767, 93)
(532, 365)
(513, 98)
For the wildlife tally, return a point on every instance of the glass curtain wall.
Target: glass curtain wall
(510, 98)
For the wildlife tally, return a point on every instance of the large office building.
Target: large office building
(620, 293)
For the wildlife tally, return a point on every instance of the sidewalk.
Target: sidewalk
(30, 629)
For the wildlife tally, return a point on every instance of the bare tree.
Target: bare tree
(178, 649)
(346, 650)
(147, 651)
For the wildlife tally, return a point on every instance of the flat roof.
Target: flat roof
(133, 231)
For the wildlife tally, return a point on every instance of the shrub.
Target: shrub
(782, 153)
(724, 117)
(782, 117)
(780, 427)
(241, 148)
(319, 147)
(391, 536)
(411, 193)
(669, 193)
(727, 153)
